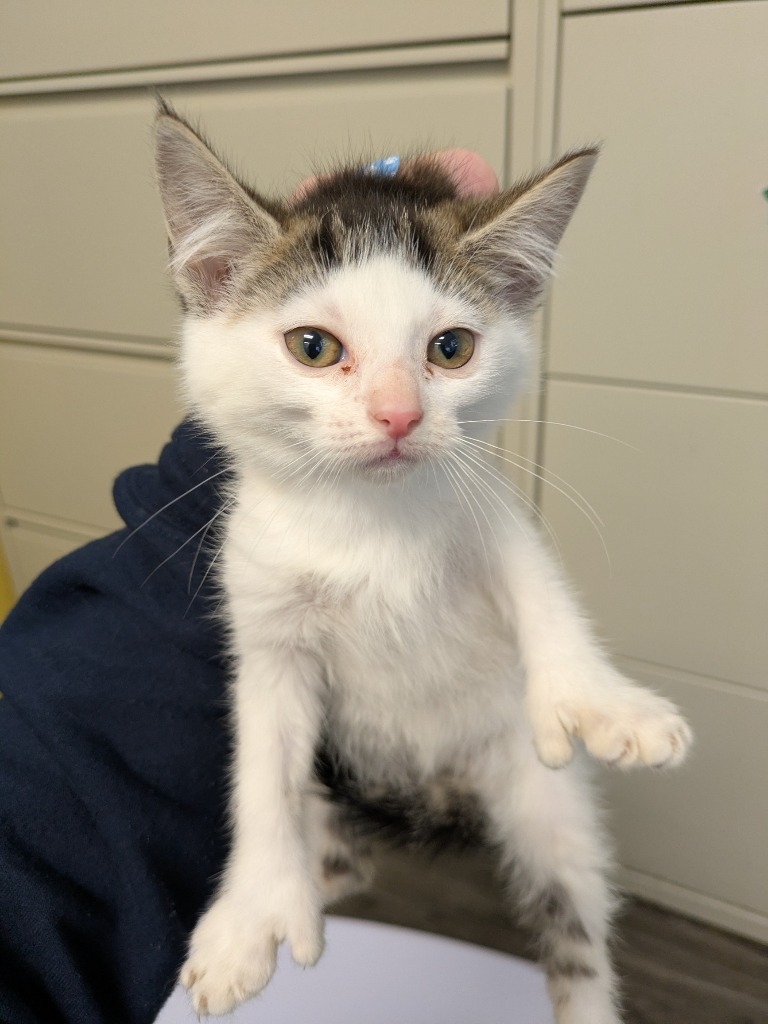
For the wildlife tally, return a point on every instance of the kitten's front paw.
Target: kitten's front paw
(233, 951)
(624, 725)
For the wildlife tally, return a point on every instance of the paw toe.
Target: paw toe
(307, 951)
(554, 748)
(306, 941)
(672, 746)
(615, 746)
(552, 731)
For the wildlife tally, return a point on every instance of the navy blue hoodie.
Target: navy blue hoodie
(113, 750)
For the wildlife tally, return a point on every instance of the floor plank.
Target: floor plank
(674, 970)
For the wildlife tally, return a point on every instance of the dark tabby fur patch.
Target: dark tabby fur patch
(355, 213)
(554, 911)
(571, 969)
(335, 866)
(432, 815)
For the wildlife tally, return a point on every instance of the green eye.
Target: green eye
(314, 347)
(451, 349)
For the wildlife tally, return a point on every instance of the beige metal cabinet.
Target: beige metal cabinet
(70, 421)
(657, 337)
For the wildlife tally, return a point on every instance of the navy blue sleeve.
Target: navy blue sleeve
(113, 751)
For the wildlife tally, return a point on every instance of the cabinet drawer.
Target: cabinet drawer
(666, 261)
(86, 35)
(77, 198)
(704, 827)
(70, 422)
(684, 523)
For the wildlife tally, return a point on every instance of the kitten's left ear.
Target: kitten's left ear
(520, 229)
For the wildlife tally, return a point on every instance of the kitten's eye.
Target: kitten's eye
(451, 349)
(314, 347)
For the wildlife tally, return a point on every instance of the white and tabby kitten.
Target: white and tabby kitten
(350, 351)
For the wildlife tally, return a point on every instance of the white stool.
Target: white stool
(379, 974)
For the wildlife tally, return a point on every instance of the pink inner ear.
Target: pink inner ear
(212, 272)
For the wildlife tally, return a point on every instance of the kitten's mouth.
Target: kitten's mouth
(392, 460)
(393, 455)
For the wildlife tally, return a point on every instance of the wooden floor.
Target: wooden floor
(674, 971)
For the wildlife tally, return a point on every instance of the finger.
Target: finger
(470, 173)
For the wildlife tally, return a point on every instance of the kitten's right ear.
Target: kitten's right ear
(213, 223)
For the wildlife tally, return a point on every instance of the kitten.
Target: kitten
(351, 351)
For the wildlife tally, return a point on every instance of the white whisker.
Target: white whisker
(555, 423)
(455, 476)
(575, 495)
(167, 505)
(520, 495)
(307, 461)
(173, 554)
(576, 498)
(474, 478)
(208, 525)
(206, 574)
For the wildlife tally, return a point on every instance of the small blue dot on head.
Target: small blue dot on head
(386, 167)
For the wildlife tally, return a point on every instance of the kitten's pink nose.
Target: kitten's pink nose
(398, 422)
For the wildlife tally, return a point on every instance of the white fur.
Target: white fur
(403, 606)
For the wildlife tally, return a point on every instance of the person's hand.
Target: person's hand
(472, 175)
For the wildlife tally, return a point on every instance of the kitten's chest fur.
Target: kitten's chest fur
(395, 601)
